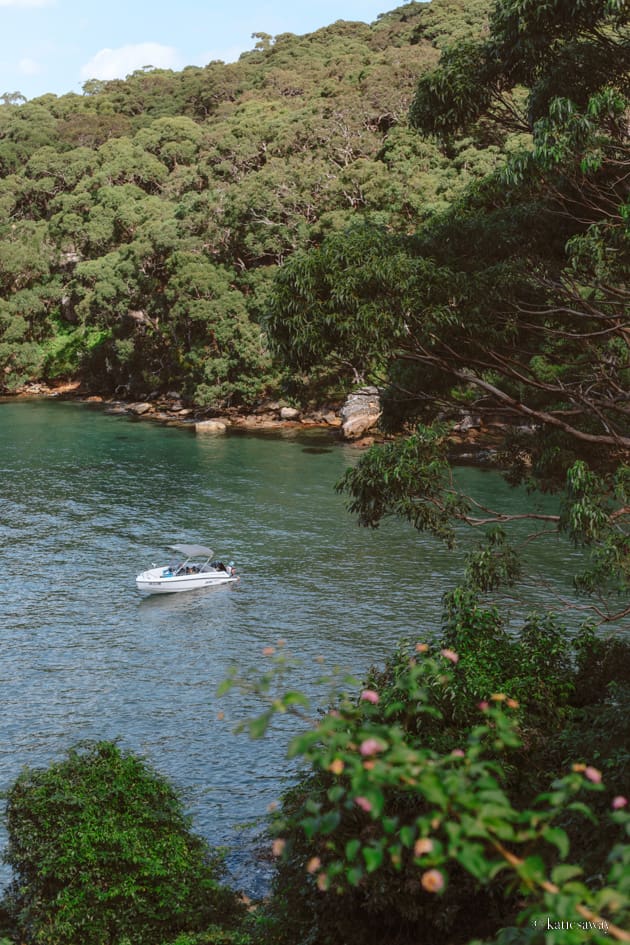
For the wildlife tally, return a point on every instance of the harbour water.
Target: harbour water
(90, 499)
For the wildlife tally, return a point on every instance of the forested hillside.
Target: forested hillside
(142, 222)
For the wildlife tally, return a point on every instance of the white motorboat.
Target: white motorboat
(194, 569)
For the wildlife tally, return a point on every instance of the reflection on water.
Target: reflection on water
(90, 500)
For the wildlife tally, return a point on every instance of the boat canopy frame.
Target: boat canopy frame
(192, 551)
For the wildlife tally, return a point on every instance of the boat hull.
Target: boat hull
(154, 581)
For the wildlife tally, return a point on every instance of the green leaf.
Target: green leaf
(301, 744)
(257, 727)
(335, 793)
(564, 872)
(330, 822)
(225, 686)
(583, 809)
(390, 824)
(373, 857)
(295, 698)
(532, 869)
(352, 848)
(473, 859)
(407, 836)
(558, 838)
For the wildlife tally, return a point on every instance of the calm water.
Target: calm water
(88, 500)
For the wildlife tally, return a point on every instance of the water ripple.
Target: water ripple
(89, 500)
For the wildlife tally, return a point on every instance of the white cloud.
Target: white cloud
(29, 66)
(119, 63)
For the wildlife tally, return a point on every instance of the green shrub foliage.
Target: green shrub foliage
(103, 854)
(461, 793)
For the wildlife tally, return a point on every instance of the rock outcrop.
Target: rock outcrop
(360, 412)
(210, 427)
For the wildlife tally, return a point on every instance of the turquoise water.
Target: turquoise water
(89, 499)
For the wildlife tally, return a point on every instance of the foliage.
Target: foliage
(413, 820)
(511, 304)
(102, 853)
(214, 936)
(152, 213)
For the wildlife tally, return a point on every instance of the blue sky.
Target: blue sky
(56, 45)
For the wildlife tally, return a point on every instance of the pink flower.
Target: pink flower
(278, 846)
(619, 802)
(423, 845)
(313, 864)
(371, 747)
(592, 774)
(450, 655)
(368, 695)
(432, 881)
(363, 803)
(458, 753)
(483, 705)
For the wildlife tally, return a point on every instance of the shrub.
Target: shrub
(102, 854)
(420, 818)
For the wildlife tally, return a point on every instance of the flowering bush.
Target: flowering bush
(380, 801)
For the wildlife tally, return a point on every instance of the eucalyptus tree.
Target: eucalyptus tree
(513, 305)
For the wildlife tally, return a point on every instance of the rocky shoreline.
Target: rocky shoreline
(352, 423)
(349, 422)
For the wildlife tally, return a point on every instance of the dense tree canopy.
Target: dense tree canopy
(112, 198)
(511, 305)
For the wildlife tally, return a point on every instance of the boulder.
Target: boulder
(289, 413)
(211, 427)
(360, 412)
(140, 409)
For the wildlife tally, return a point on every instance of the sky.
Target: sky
(57, 45)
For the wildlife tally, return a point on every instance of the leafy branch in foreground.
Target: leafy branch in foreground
(458, 813)
(411, 479)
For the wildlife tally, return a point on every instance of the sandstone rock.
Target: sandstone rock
(364, 443)
(360, 412)
(140, 409)
(252, 422)
(211, 427)
(289, 413)
(332, 419)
